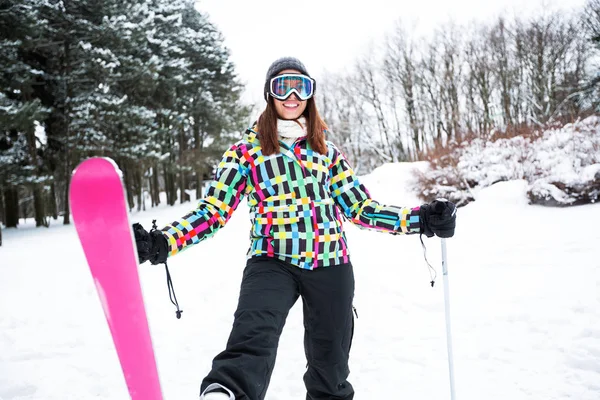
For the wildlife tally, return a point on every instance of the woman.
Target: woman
(299, 188)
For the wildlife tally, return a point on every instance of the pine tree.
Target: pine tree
(21, 162)
(148, 83)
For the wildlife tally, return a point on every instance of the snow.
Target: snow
(524, 292)
(40, 134)
(568, 155)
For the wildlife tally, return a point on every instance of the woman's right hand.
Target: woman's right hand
(151, 246)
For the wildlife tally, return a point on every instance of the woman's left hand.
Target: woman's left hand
(438, 218)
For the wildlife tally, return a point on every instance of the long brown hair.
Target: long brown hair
(315, 128)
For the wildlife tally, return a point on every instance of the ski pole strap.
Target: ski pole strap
(172, 296)
(434, 275)
(170, 287)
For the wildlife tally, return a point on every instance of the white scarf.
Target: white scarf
(290, 130)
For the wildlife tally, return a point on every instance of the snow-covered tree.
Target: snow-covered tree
(148, 83)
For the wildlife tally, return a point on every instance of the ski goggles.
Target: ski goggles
(282, 86)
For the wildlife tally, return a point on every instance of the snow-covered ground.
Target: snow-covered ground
(524, 290)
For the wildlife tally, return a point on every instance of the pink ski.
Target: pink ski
(100, 215)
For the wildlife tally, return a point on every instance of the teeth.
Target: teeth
(290, 105)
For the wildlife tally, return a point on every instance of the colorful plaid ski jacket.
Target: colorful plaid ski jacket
(295, 198)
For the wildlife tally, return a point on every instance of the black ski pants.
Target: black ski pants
(269, 289)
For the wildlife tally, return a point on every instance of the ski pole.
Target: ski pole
(448, 328)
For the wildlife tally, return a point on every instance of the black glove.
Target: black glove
(438, 218)
(151, 246)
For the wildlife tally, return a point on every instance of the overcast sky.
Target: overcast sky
(331, 34)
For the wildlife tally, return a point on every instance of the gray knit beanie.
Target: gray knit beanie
(281, 64)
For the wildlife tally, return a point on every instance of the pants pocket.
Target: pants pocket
(352, 322)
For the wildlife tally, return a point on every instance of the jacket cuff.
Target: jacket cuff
(409, 222)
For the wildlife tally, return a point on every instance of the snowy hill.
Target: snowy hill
(524, 287)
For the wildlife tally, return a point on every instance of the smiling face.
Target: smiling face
(292, 107)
